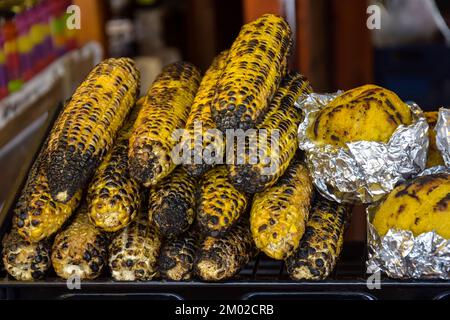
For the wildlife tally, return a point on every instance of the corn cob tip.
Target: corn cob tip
(80, 250)
(23, 260)
(177, 257)
(249, 180)
(134, 252)
(174, 217)
(210, 270)
(147, 168)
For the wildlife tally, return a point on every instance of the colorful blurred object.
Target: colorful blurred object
(33, 33)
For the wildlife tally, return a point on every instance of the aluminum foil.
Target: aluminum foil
(443, 134)
(401, 255)
(364, 171)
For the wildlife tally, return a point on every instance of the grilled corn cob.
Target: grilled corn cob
(80, 250)
(134, 251)
(434, 155)
(172, 203)
(200, 122)
(256, 65)
(37, 216)
(222, 258)
(114, 198)
(219, 203)
(177, 257)
(283, 119)
(279, 214)
(420, 205)
(165, 109)
(367, 113)
(23, 260)
(88, 124)
(322, 244)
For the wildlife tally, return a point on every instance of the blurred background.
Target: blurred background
(48, 46)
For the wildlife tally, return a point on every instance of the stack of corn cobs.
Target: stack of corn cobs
(105, 193)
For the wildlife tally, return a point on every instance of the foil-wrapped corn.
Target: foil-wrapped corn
(420, 205)
(434, 155)
(367, 113)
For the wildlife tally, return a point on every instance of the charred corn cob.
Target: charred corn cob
(114, 198)
(256, 64)
(23, 260)
(219, 203)
(37, 216)
(367, 113)
(88, 124)
(279, 214)
(177, 257)
(80, 250)
(420, 205)
(281, 125)
(134, 251)
(434, 155)
(172, 203)
(165, 109)
(199, 126)
(322, 244)
(222, 258)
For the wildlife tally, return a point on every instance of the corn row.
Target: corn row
(256, 65)
(279, 214)
(220, 205)
(23, 260)
(134, 251)
(277, 141)
(165, 109)
(80, 250)
(199, 125)
(87, 126)
(322, 244)
(177, 257)
(222, 258)
(114, 198)
(172, 203)
(37, 216)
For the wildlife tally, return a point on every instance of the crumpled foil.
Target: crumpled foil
(401, 255)
(365, 171)
(443, 134)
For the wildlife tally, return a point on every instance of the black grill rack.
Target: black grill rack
(262, 279)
